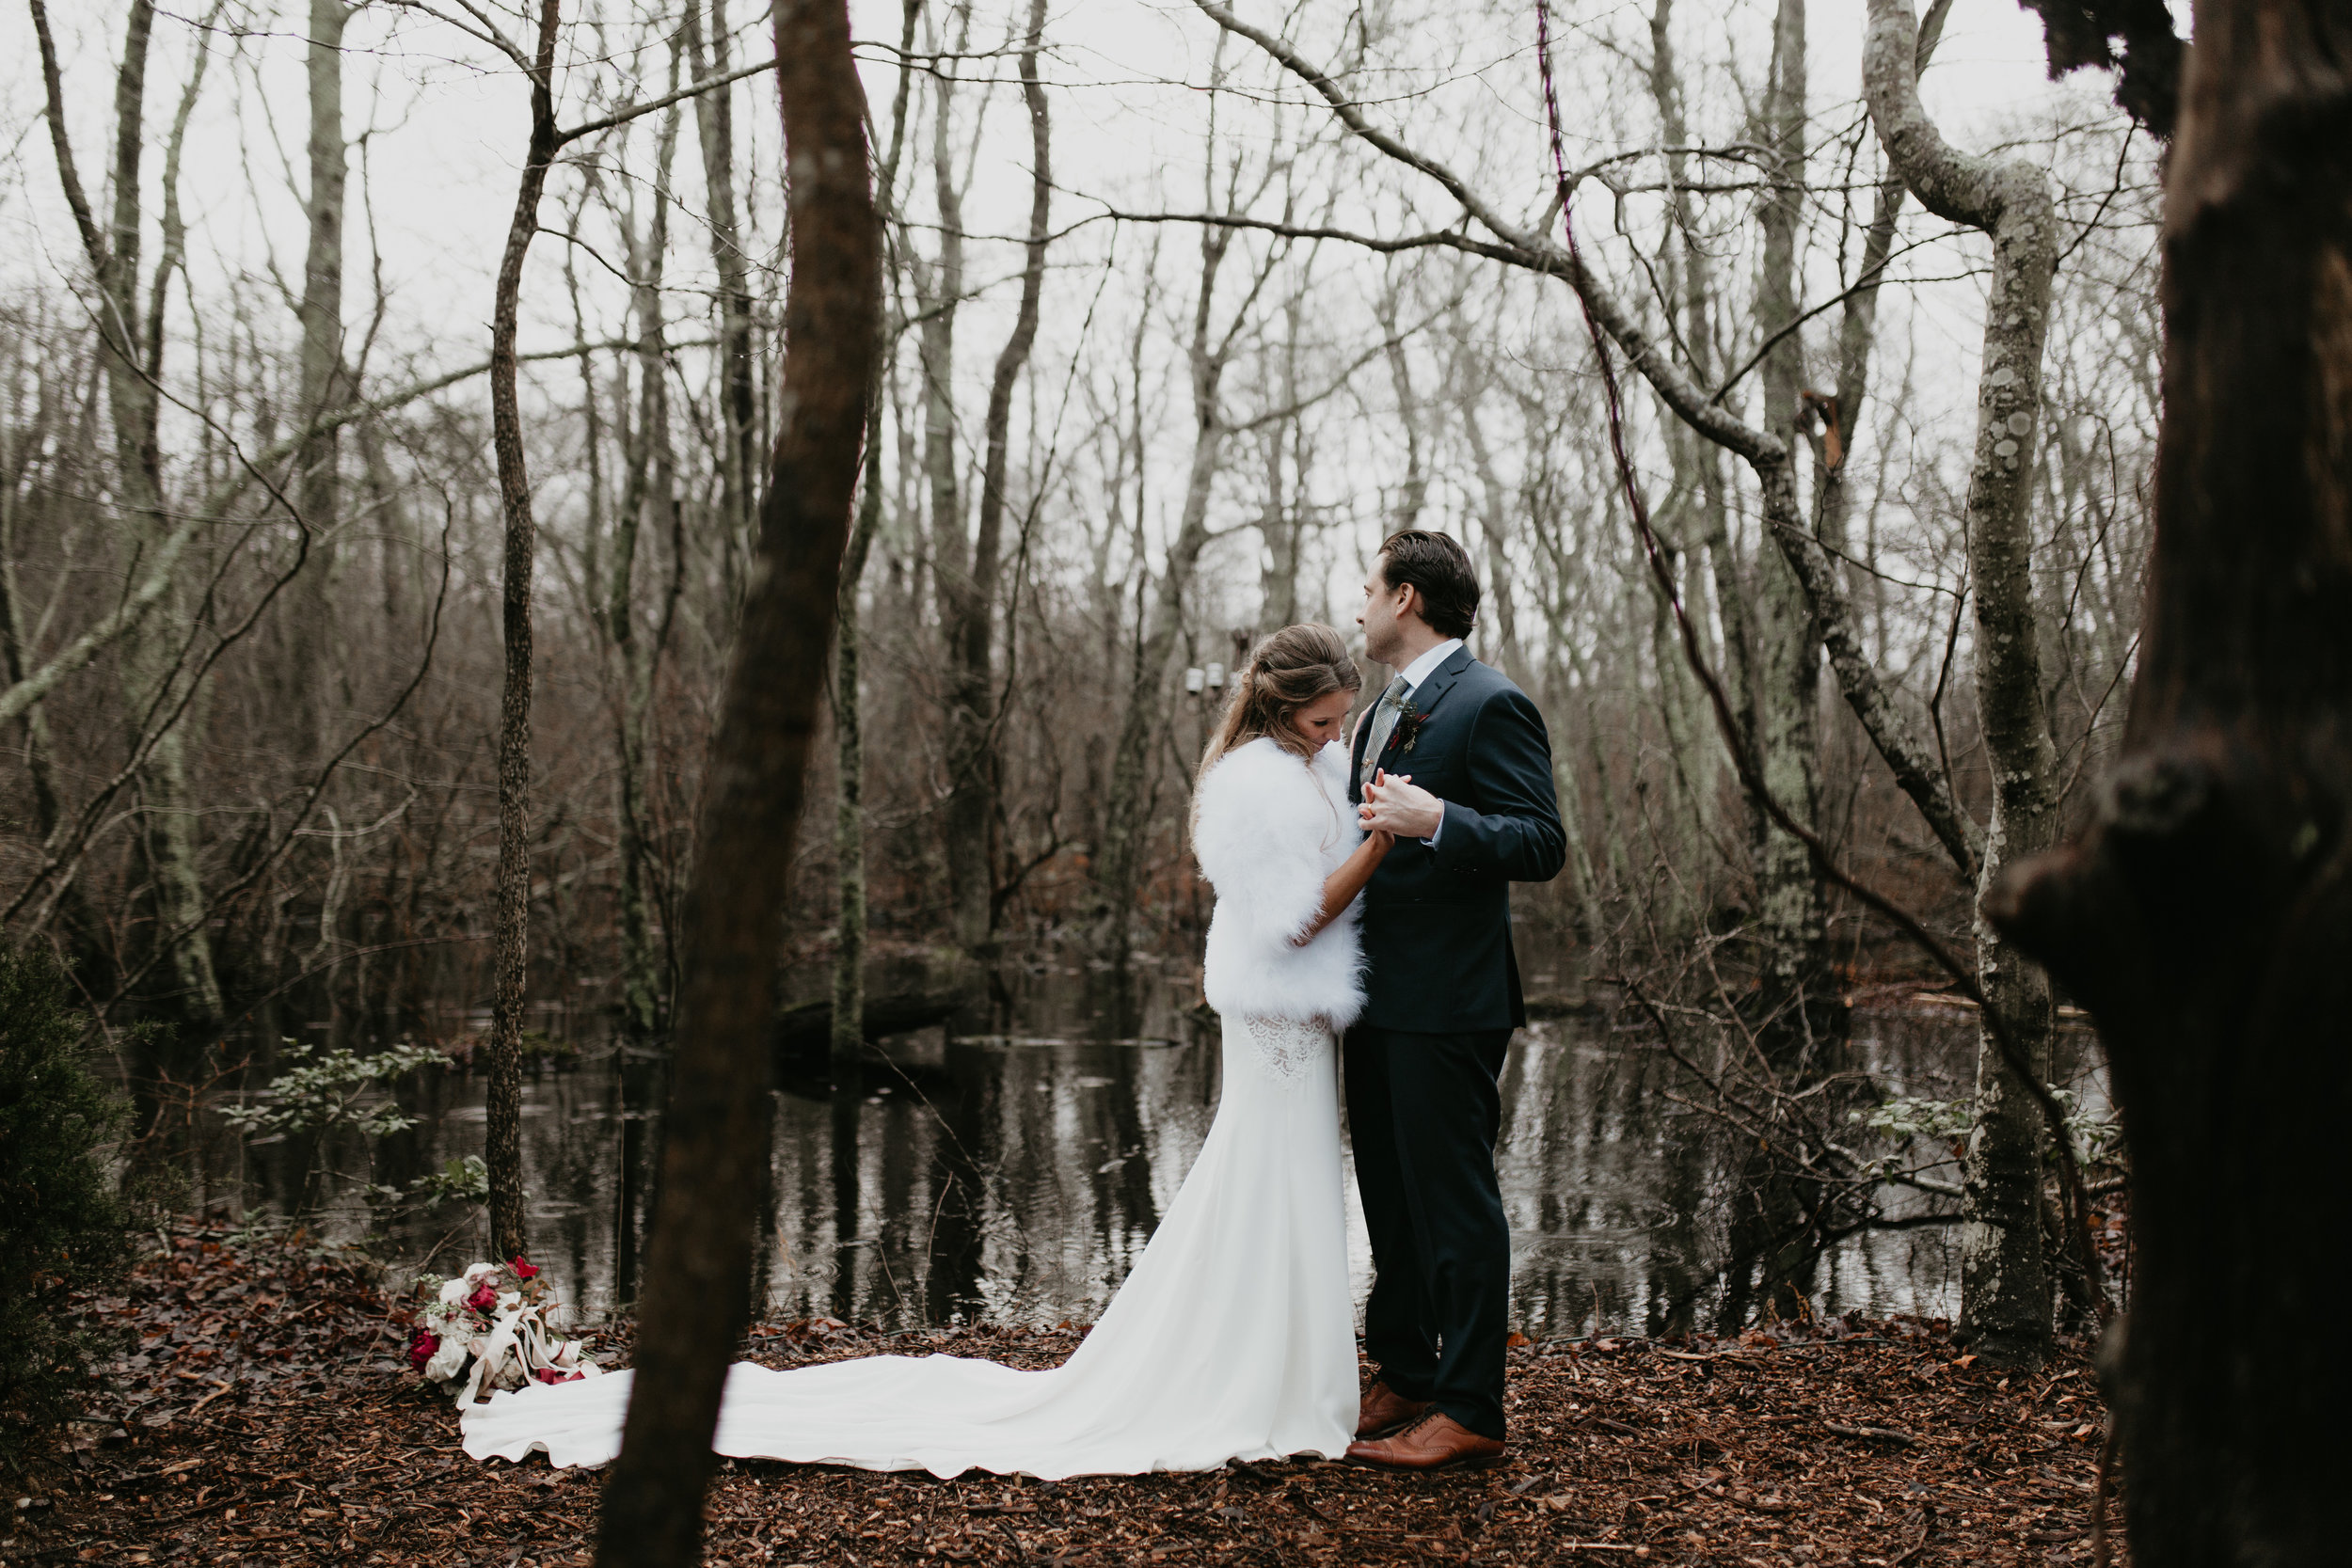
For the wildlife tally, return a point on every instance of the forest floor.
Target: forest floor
(262, 1414)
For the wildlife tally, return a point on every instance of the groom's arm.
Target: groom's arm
(1513, 828)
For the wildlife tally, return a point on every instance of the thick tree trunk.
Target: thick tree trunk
(2205, 913)
(503, 1150)
(2005, 1279)
(699, 1268)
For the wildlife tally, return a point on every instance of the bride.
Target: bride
(1235, 1335)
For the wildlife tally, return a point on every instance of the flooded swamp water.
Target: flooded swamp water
(1011, 1170)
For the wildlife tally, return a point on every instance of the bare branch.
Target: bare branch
(632, 111)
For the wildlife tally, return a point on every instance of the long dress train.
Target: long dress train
(1232, 1337)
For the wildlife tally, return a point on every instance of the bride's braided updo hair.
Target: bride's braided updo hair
(1286, 672)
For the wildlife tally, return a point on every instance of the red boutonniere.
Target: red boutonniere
(1407, 730)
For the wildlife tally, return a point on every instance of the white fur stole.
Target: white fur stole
(1269, 829)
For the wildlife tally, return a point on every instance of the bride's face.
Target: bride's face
(1324, 719)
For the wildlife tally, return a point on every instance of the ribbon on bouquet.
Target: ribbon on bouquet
(519, 1332)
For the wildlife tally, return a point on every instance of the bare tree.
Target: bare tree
(2005, 1285)
(969, 582)
(311, 618)
(699, 1269)
(503, 1150)
(1792, 907)
(131, 331)
(648, 516)
(1209, 353)
(848, 704)
(714, 117)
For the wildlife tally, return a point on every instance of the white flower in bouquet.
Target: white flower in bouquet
(494, 1319)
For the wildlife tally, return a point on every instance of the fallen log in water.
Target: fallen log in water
(807, 1029)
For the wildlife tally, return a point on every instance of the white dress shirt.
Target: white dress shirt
(1419, 672)
(1426, 665)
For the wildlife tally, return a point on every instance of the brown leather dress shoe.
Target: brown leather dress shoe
(1385, 1411)
(1436, 1442)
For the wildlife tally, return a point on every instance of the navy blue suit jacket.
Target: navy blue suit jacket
(1438, 922)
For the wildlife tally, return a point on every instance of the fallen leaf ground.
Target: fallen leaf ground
(263, 1417)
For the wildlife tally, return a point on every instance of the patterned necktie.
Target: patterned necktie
(1383, 725)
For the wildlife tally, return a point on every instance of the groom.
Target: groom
(1454, 761)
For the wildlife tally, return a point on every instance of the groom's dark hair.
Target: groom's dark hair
(1440, 568)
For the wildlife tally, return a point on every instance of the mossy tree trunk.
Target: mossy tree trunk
(2004, 1276)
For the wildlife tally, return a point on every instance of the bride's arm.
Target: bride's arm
(1341, 888)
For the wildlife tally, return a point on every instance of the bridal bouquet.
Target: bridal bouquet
(488, 1328)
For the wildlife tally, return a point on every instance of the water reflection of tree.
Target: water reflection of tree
(1025, 1180)
(1582, 1120)
(960, 1161)
(844, 1104)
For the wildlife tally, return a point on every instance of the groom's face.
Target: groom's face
(1383, 606)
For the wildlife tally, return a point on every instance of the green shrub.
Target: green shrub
(62, 1227)
(320, 1093)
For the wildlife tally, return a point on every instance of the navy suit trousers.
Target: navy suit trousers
(1423, 1111)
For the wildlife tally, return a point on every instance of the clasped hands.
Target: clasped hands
(1394, 804)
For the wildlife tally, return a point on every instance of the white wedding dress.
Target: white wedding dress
(1233, 1338)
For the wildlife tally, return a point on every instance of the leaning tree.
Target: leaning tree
(698, 1267)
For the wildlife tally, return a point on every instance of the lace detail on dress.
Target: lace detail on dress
(1288, 1047)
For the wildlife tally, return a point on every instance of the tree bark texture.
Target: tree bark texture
(503, 1150)
(2005, 1279)
(1698, 464)
(2204, 913)
(698, 1268)
(1792, 909)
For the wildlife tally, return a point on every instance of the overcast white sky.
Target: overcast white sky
(446, 123)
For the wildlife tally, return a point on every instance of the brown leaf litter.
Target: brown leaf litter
(262, 1415)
